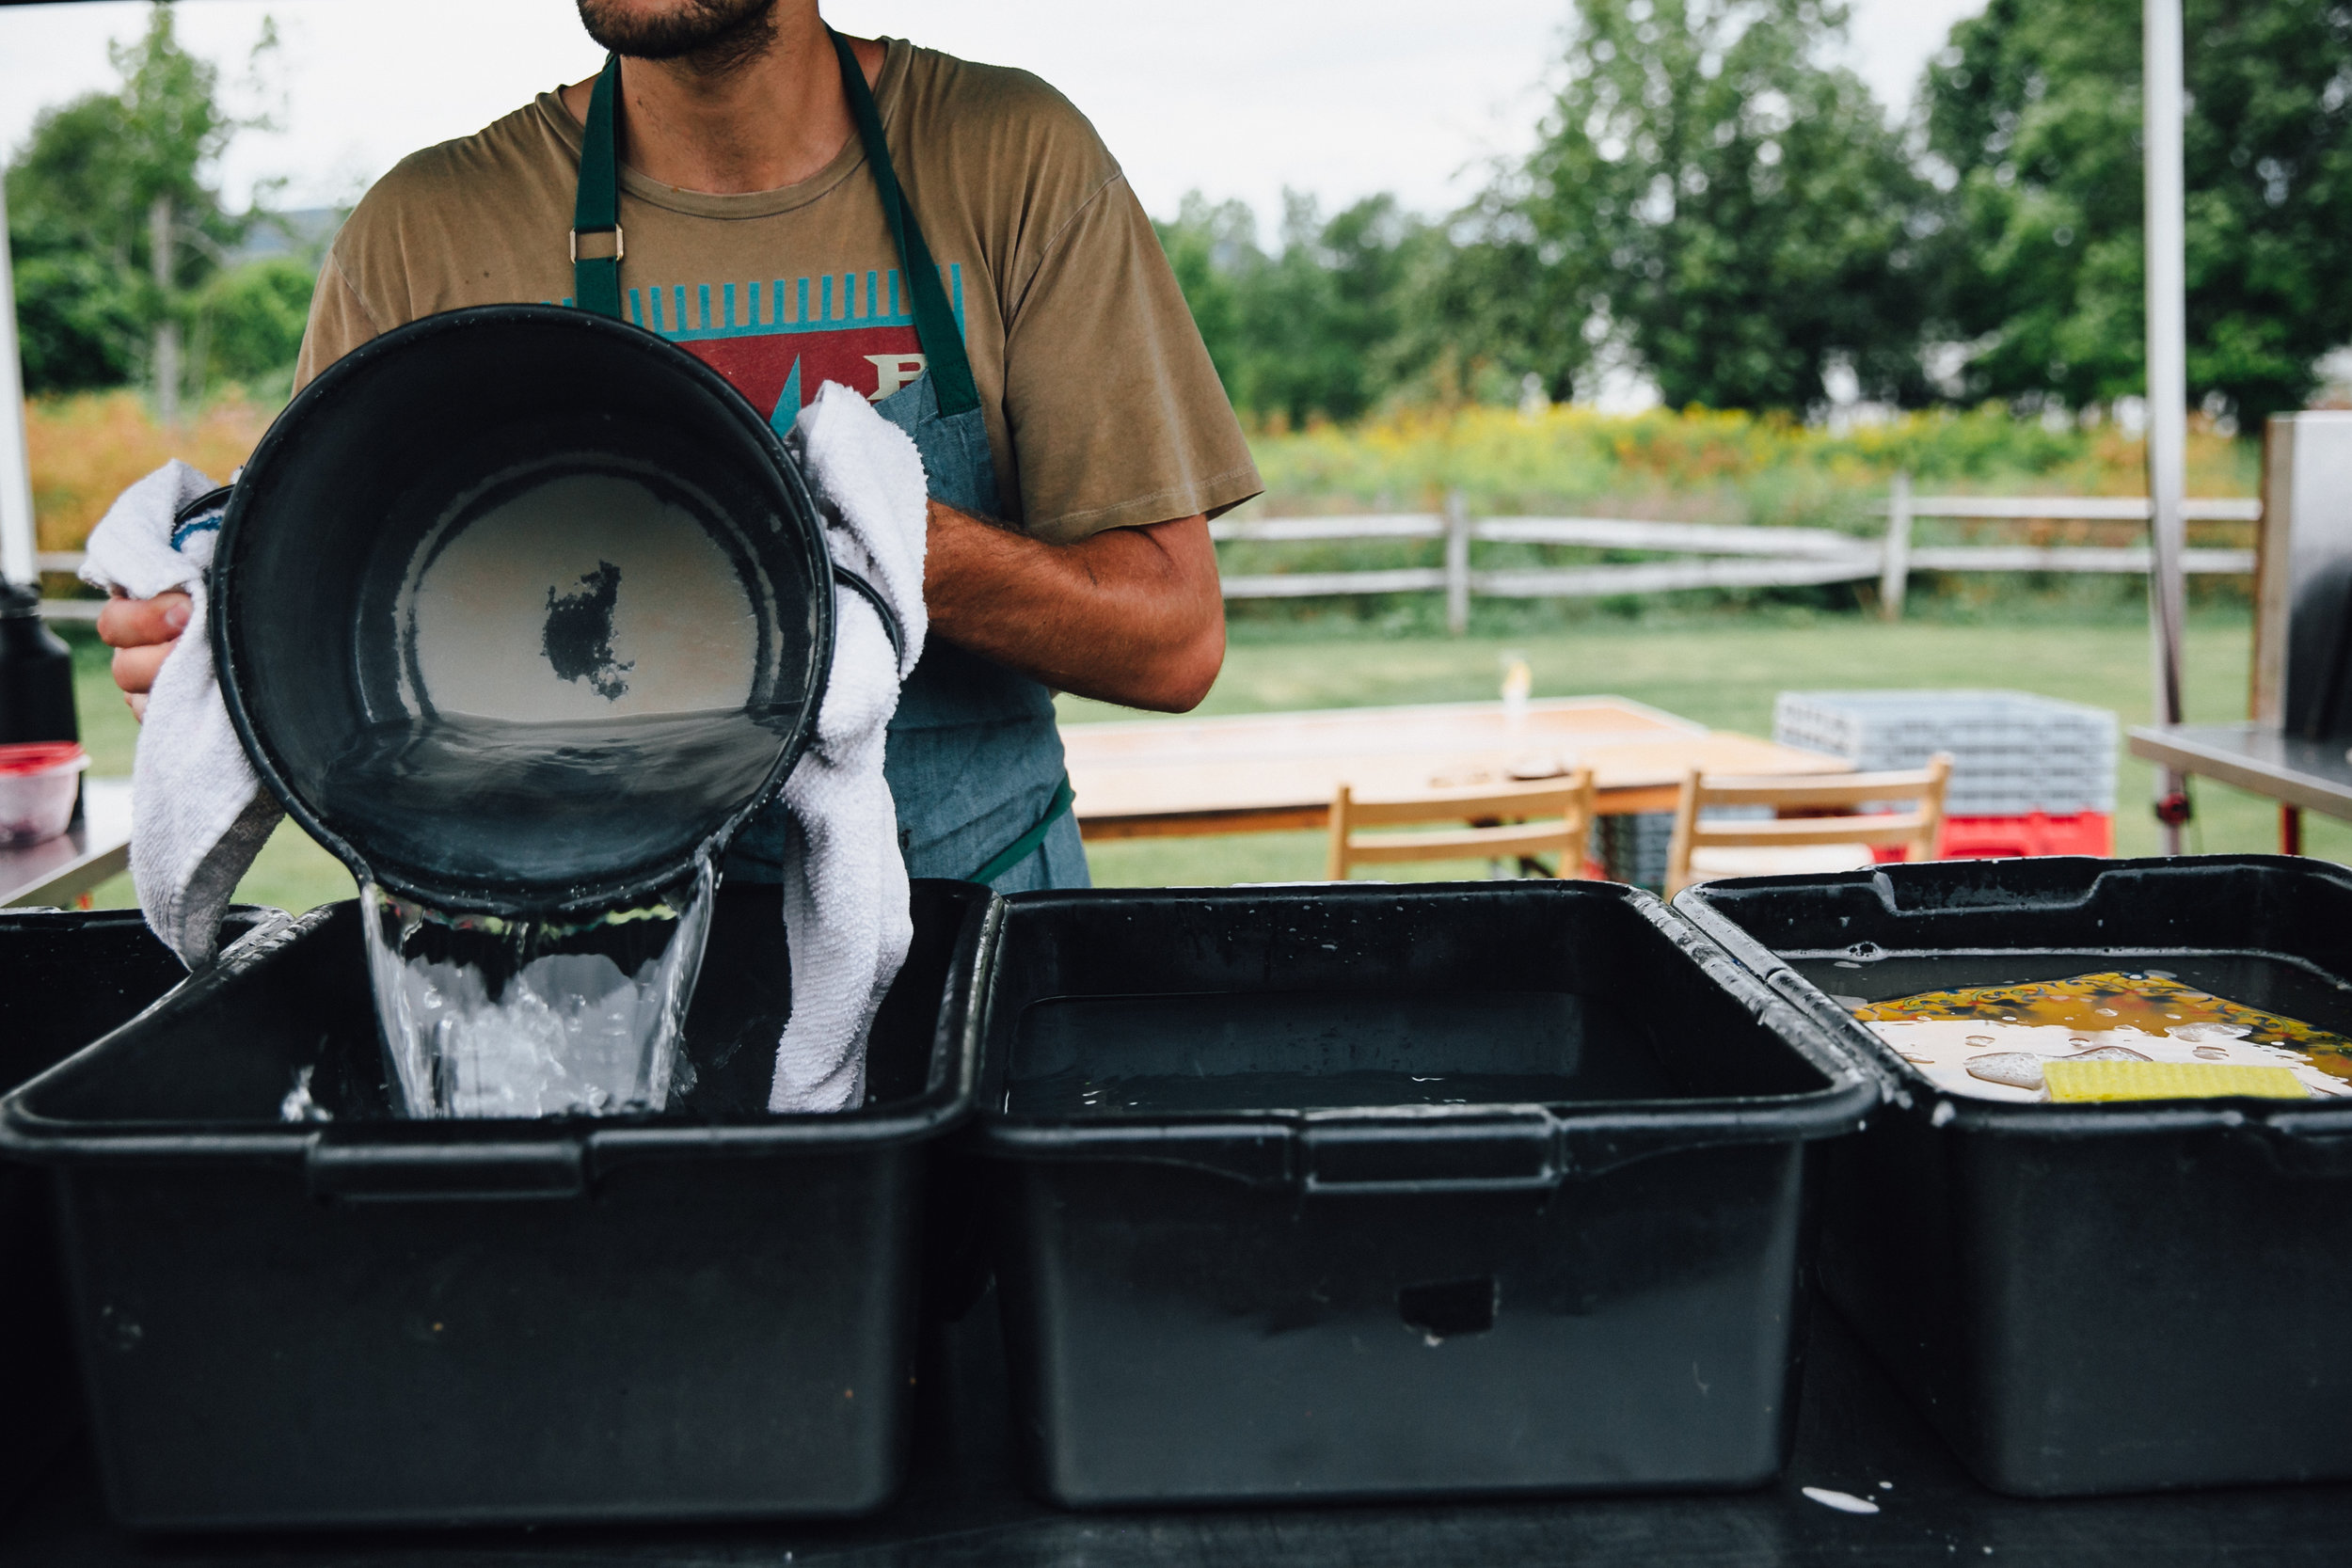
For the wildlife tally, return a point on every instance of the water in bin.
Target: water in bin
(519, 613)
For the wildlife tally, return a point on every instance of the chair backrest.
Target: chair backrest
(1505, 821)
(1819, 820)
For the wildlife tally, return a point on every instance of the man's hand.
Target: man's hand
(142, 632)
(1131, 616)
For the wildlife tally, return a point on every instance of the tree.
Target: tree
(1323, 316)
(1712, 202)
(250, 319)
(1314, 328)
(113, 222)
(2035, 108)
(1210, 248)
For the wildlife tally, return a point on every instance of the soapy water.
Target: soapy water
(487, 1016)
(1991, 1042)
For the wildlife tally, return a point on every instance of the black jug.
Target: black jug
(36, 672)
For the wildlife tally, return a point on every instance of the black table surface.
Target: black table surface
(964, 1508)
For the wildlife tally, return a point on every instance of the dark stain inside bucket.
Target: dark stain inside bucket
(578, 634)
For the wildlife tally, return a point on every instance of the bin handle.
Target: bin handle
(1531, 1150)
(412, 1173)
(1384, 1152)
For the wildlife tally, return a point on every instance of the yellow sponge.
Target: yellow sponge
(2077, 1082)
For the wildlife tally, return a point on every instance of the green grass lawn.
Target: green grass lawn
(1722, 671)
(1725, 673)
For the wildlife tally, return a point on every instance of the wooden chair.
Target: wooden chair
(1812, 832)
(1512, 821)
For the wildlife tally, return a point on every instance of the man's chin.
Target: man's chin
(713, 32)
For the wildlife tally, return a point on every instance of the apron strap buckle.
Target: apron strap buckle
(620, 245)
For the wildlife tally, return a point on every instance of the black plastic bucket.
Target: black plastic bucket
(519, 607)
(1545, 1231)
(2086, 1298)
(66, 978)
(707, 1313)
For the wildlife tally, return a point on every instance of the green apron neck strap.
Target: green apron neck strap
(934, 322)
(597, 208)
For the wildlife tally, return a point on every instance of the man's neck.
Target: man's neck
(769, 121)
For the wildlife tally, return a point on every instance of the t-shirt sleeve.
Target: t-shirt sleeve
(339, 323)
(1110, 401)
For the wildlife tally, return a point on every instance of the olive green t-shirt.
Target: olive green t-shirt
(1102, 410)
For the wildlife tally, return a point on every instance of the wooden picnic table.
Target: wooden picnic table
(61, 870)
(1274, 771)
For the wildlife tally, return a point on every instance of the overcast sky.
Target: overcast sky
(1237, 98)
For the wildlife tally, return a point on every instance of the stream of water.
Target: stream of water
(484, 1016)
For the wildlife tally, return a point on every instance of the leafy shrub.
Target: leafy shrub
(84, 449)
(250, 320)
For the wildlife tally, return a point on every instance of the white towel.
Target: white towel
(845, 880)
(198, 812)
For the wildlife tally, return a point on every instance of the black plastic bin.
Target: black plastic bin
(707, 1313)
(1391, 1191)
(2086, 1298)
(66, 978)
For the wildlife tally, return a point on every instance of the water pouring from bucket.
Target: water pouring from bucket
(522, 613)
(483, 1016)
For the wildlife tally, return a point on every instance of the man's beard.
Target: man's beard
(715, 35)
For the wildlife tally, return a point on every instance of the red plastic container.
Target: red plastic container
(39, 781)
(1992, 838)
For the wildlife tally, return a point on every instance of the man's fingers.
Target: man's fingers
(137, 623)
(134, 667)
(142, 633)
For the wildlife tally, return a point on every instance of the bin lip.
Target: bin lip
(1903, 1085)
(945, 1101)
(261, 917)
(261, 920)
(1839, 1106)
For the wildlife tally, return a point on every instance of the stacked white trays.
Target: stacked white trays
(2012, 754)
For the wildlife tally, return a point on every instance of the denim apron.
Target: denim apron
(974, 760)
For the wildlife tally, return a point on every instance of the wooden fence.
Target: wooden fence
(1719, 556)
(1724, 556)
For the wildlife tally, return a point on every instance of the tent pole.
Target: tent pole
(2168, 378)
(16, 479)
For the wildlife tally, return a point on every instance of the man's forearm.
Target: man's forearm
(1131, 616)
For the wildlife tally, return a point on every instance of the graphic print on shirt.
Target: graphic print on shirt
(779, 342)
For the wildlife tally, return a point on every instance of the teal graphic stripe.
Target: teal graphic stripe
(787, 412)
(692, 314)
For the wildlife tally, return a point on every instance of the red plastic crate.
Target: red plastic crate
(1986, 838)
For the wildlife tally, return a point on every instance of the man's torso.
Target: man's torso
(1026, 213)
